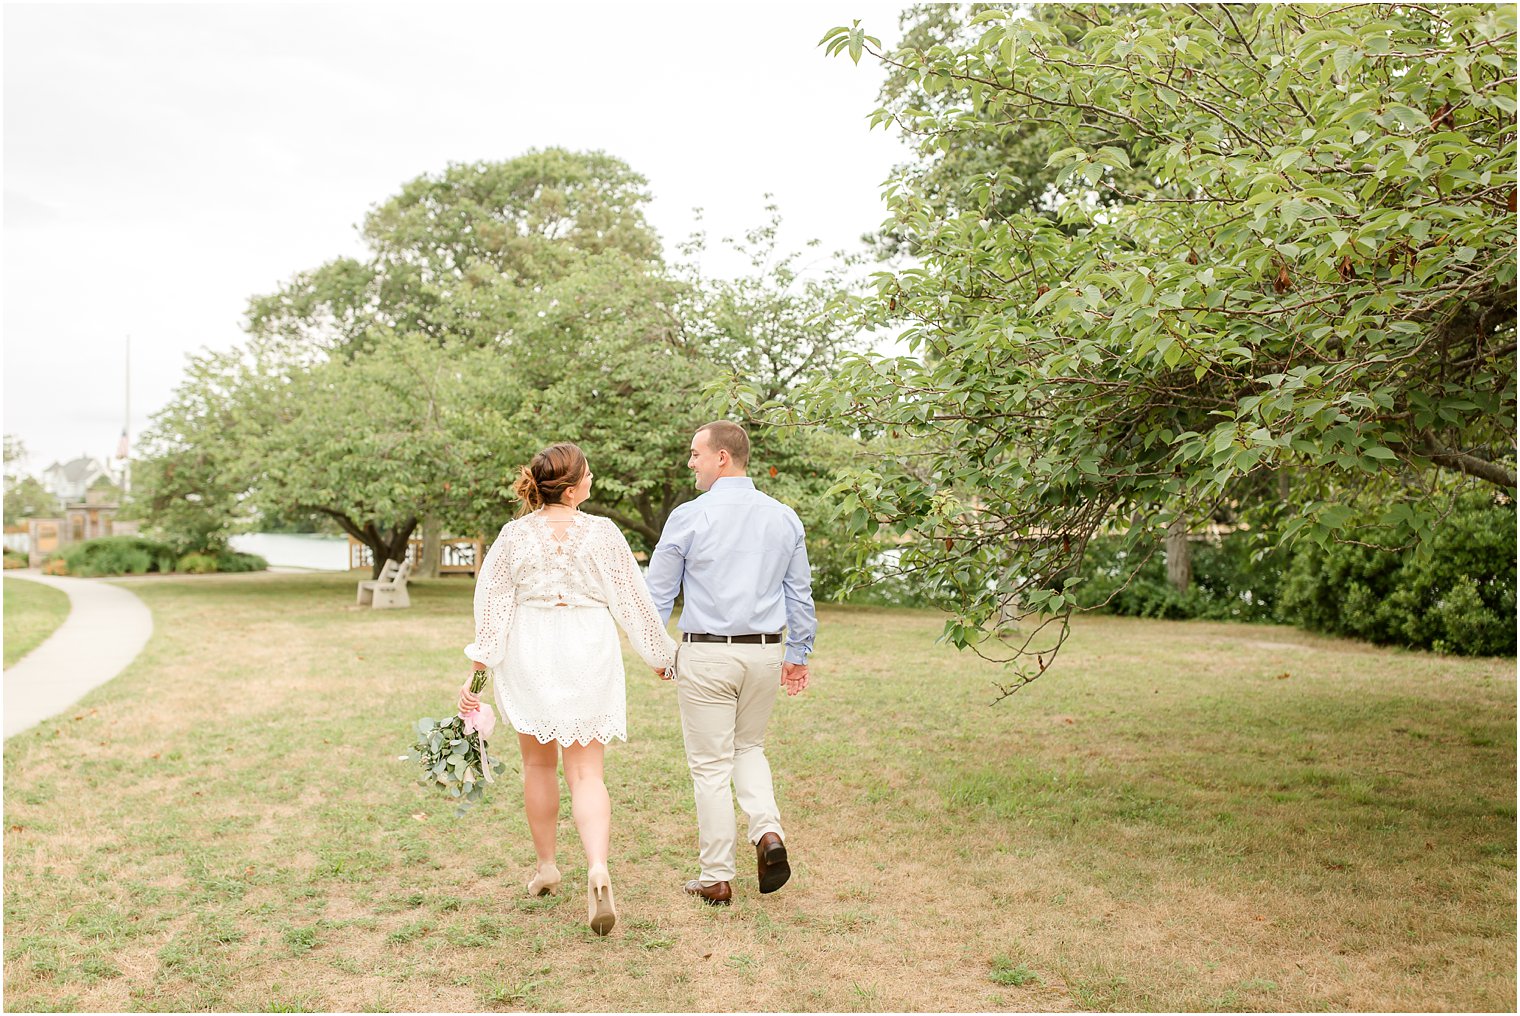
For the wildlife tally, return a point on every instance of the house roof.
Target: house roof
(76, 470)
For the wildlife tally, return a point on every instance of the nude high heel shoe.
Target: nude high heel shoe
(545, 880)
(601, 913)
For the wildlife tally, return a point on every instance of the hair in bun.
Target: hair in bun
(549, 475)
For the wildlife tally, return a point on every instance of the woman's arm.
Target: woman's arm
(629, 600)
(495, 603)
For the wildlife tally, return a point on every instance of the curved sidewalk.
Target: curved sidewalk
(106, 628)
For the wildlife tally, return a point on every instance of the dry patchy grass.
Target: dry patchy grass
(1179, 816)
(33, 611)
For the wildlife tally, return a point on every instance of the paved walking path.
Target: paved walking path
(106, 628)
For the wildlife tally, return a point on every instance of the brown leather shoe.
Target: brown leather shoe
(718, 894)
(770, 863)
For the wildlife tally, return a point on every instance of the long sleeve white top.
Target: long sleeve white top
(591, 565)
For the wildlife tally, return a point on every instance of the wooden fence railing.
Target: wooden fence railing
(457, 555)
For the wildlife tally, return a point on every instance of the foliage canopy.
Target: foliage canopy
(1287, 245)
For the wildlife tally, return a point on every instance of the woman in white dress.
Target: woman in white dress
(545, 602)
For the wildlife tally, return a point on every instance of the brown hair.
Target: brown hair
(552, 472)
(724, 435)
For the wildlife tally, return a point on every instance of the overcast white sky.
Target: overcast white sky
(163, 163)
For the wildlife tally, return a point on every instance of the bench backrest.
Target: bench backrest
(388, 571)
(402, 573)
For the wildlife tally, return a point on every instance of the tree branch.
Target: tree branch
(626, 521)
(1462, 462)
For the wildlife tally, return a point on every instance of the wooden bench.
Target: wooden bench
(389, 590)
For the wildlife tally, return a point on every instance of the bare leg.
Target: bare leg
(589, 803)
(541, 793)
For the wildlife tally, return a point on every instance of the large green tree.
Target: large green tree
(1012, 155)
(374, 443)
(452, 252)
(506, 306)
(625, 361)
(1312, 267)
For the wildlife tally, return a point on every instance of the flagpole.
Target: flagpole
(126, 428)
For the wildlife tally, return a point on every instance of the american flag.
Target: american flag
(121, 446)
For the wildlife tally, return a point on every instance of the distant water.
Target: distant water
(296, 550)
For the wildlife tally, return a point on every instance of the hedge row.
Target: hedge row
(134, 555)
(1453, 593)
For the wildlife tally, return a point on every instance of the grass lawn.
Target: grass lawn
(33, 611)
(1179, 816)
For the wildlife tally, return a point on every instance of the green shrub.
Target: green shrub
(234, 561)
(1453, 593)
(115, 555)
(1234, 579)
(112, 555)
(134, 555)
(15, 559)
(197, 564)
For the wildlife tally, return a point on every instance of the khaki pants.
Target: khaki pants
(726, 694)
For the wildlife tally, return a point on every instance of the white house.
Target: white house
(68, 481)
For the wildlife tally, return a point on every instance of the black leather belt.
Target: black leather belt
(769, 638)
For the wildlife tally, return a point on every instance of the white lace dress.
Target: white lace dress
(544, 610)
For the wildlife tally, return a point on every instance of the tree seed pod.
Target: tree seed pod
(1511, 202)
(1041, 290)
(1192, 257)
(949, 543)
(1347, 272)
(1283, 282)
(773, 472)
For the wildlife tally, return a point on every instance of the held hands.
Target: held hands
(794, 677)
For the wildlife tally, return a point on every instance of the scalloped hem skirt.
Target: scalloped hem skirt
(562, 679)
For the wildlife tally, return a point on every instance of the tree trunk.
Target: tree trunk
(1179, 555)
(432, 533)
(395, 545)
(650, 533)
(382, 547)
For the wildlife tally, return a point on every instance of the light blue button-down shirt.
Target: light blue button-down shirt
(741, 557)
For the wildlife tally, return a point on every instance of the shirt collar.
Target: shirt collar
(723, 482)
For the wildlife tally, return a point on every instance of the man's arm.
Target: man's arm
(801, 619)
(667, 564)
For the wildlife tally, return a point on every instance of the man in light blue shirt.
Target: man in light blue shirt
(741, 558)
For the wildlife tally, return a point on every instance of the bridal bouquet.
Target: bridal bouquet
(452, 753)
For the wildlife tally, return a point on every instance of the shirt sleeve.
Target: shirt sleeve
(667, 565)
(495, 603)
(628, 598)
(797, 587)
